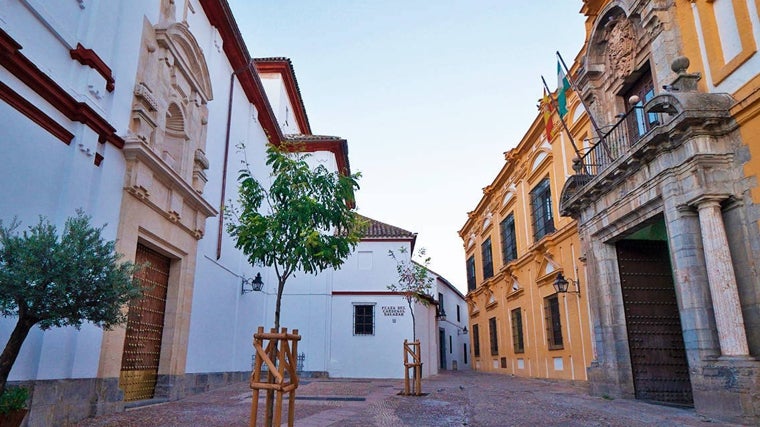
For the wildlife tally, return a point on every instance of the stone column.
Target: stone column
(722, 280)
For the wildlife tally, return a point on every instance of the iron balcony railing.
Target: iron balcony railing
(616, 141)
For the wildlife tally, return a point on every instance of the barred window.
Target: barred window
(471, 273)
(476, 340)
(508, 239)
(487, 259)
(517, 331)
(553, 324)
(364, 319)
(493, 336)
(541, 206)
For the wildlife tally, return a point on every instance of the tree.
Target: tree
(306, 224)
(414, 281)
(52, 282)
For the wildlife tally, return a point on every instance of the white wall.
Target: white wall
(44, 176)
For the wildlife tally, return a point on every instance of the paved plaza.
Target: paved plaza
(453, 399)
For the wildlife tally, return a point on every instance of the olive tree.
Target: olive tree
(49, 280)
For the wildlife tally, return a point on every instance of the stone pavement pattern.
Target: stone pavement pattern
(453, 399)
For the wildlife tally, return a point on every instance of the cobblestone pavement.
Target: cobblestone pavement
(461, 398)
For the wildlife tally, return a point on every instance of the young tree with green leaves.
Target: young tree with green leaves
(414, 280)
(53, 281)
(303, 222)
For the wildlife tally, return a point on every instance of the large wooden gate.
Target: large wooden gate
(658, 358)
(145, 325)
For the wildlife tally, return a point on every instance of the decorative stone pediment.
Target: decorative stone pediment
(188, 56)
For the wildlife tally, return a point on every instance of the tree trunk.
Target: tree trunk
(280, 288)
(414, 321)
(12, 348)
(274, 353)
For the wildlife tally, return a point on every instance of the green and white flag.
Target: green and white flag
(562, 86)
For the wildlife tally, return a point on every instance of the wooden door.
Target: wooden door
(145, 326)
(658, 357)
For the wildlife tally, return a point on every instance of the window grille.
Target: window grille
(508, 239)
(487, 259)
(553, 324)
(541, 206)
(364, 319)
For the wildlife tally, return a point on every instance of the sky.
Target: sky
(429, 94)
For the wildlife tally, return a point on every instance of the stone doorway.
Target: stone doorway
(145, 326)
(658, 358)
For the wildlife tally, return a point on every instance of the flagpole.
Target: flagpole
(569, 135)
(580, 97)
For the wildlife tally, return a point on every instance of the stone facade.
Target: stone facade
(684, 166)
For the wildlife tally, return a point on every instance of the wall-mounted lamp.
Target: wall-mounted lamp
(440, 314)
(251, 285)
(462, 331)
(560, 285)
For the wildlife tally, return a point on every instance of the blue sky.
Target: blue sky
(429, 95)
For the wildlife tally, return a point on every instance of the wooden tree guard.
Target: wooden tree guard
(413, 349)
(281, 378)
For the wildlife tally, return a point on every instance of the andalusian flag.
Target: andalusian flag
(562, 86)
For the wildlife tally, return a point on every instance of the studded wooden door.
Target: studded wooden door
(658, 358)
(145, 325)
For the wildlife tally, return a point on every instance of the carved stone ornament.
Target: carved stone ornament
(621, 44)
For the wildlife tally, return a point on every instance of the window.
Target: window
(638, 122)
(541, 206)
(508, 239)
(364, 319)
(465, 353)
(459, 317)
(493, 337)
(553, 324)
(485, 250)
(476, 340)
(441, 310)
(451, 348)
(471, 273)
(517, 331)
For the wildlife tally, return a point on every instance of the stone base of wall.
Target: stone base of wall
(728, 389)
(67, 401)
(603, 382)
(203, 382)
(63, 402)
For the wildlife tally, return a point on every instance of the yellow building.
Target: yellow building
(517, 246)
(659, 218)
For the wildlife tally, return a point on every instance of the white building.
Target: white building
(132, 111)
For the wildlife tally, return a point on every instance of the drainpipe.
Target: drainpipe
(226, 155)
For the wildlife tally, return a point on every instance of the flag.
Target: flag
(562, 86)
(546, 107)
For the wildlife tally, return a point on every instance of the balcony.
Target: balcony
(638, 137)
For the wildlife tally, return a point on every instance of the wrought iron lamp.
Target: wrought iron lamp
(251, 285)
(462, 331)
(560, 285)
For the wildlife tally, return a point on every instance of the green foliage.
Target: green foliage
(63, 282)
(12, 399)
(302, 222)
(414, 279)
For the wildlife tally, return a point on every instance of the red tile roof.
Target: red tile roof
(377, 230)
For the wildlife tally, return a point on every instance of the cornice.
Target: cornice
(136, 150)
(22, 68)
